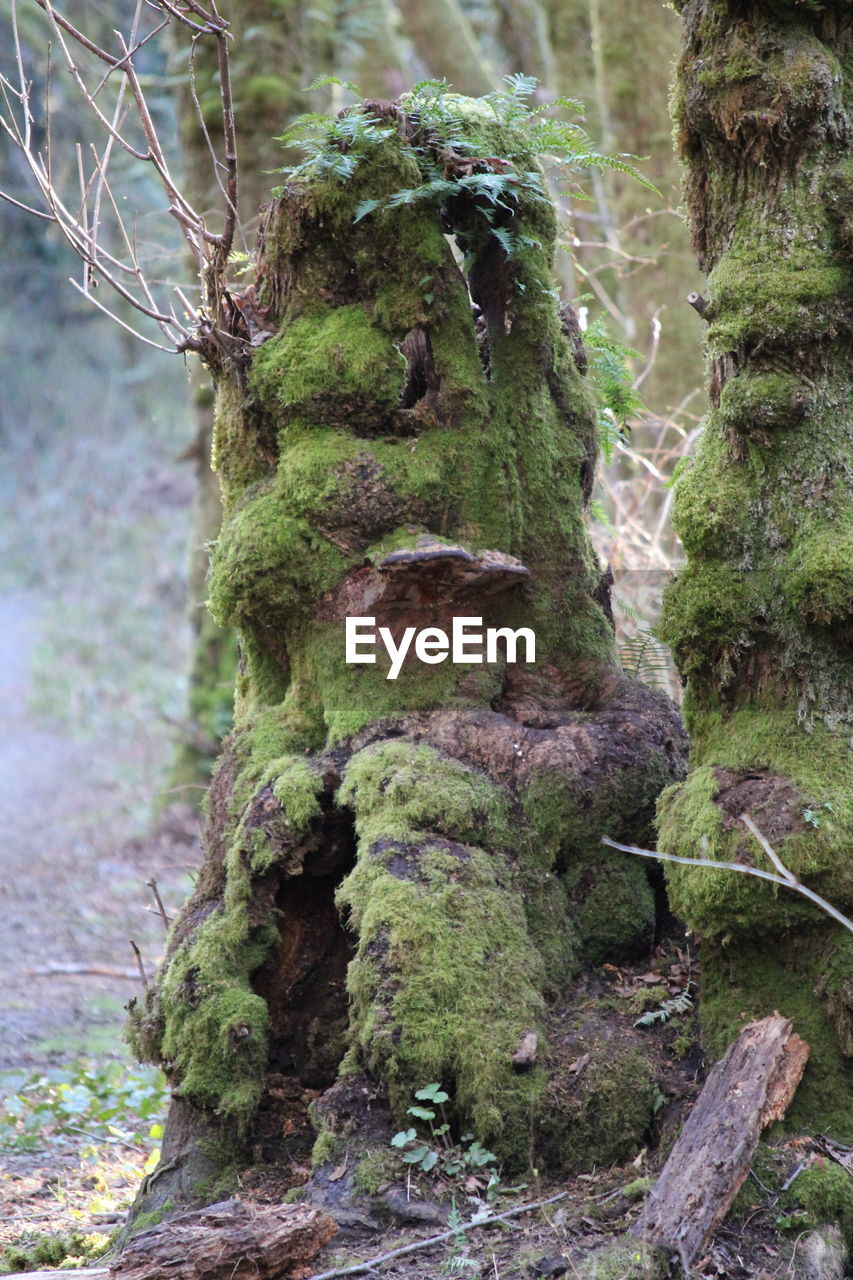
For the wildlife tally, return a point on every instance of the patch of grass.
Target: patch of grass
(36, 1249)
(112, 1105)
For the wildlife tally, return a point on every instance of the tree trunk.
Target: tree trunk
(277, 50)
(760, 620)
(402, 872)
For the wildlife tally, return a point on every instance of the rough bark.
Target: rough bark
(401, 873)
(228, 1241)
(760, 620)
(747, 1090)
(277, 50)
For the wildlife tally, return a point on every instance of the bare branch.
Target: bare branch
(149, 342)
(771, 853)
(787, 880)
(83, 225)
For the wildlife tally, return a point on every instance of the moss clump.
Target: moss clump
(375, 1169)
(763, 401)
(624, 1260)
(267, 566)
(819, 578)
(704, 619)
(614, 908)
(433, 915)
(753, 300)
(825, 1193)
(144, 1221)
(397, 788)
(325, 1149)
(603, 1116)
(814, 767)
(34, 1251)
(332, 364)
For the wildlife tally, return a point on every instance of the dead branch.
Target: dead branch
(749, 1088)
(786, 878)
(485, 1220)
(83, 221)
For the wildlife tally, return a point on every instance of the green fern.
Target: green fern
(335, 145)
(613, 381)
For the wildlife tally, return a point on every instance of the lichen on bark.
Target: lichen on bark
(388, 897)
(760, 620)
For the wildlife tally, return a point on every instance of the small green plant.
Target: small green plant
(111, 1104)
(35, 1250)
(813, 815)
(440, 1154)
(644, 655)
(449, 162)
(619, 400)
(458, 1262)
(679, 1004)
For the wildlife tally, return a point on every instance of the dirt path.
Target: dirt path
(72, 885)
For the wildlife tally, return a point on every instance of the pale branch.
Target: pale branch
(487, 1220)
(768, 849)
(786, 878)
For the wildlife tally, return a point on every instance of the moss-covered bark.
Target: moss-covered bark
(400, 874)
(760, 620)
(278, 48)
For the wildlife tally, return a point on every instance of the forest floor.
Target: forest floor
(73, 868)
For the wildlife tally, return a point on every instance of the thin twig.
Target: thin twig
(771, 853)
(152, 885)
(141, 966)
(362, 1268)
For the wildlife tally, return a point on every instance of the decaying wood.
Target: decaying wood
(228, 1241)
(749, 1088)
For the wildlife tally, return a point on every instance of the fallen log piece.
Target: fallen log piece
(233, 1240)
(749, 1088)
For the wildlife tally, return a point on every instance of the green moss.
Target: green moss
(769, 742)
(614, 908)
(763, 401)
(36, 1250)
(623, 1260)
(237, 452)
(397, 787)
(333, 364)
(145, 1221)
(746, 980)
(753, 300)
(704, 620)
(267, 565)
(825, 1193)
(326, 1148)
(433, 915)
(374, 1170)
(819, 578)
(602, 1117)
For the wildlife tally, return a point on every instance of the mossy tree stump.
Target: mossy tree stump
(760, 620)
(401, 874)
